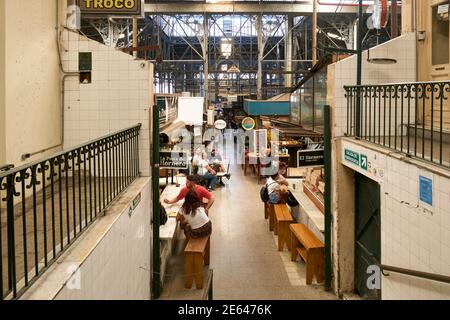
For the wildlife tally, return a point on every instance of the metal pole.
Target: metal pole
(156, 221)
(328, 204)
(206, 59)
(260, 56)
(135, 36)
(288, 52)
(314, 33)
(359, 71)
(394, 19)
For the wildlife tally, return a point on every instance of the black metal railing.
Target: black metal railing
(413, 118)
(47, 204)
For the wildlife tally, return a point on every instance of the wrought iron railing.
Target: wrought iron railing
(47, 204)
(412, 118)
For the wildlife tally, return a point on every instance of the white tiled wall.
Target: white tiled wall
(118, 97)
(403, 49)
(119, 266)
(411, 237)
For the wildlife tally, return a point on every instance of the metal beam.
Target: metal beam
(243, 8)
(261, 46)
(288, 52)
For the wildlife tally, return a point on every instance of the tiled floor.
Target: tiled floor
(244, 255)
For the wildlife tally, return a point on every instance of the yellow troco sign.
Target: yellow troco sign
(111, 7)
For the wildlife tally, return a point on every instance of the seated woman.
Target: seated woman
(277, 185)
(193, 218)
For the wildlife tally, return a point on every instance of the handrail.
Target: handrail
(396, 84)
(208, 292)
(47, 204)
(415, 273)
(65, 151)
(406, 117)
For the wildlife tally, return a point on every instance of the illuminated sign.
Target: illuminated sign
(248, 124)
(111, 7)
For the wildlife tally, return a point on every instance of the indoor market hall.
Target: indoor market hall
(211, 150)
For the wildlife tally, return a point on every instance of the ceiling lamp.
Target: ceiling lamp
(234, 69)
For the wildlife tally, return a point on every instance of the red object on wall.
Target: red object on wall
(384, 13)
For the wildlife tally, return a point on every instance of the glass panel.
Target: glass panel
(320, 98)
(307, 105)
(440, 34)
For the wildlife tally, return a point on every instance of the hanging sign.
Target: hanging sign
(173, 160)
(111, 7)
(220, 124)
(248, 123)
(310, 158)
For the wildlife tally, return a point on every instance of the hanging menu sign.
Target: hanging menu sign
(173, 160)
(111, 7)
(310, 158)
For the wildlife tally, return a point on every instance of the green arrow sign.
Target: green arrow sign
(364, 162)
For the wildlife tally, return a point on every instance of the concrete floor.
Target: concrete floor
(244, 255)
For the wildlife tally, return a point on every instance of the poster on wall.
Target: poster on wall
(426, 191)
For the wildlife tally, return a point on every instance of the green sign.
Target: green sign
(135, 204)
(352, 156)
(364, 162)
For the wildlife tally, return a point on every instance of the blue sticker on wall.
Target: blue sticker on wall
(426, 190)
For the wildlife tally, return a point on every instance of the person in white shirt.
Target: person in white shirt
(275, 183)
(193, 218)
(207, 173)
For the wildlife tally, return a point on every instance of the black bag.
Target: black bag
(291, 201)
(162, 216)
(264, 193)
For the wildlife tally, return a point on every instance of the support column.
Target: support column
(314, 33)
(206, 59)
(259, 80)
(394, 19)
(135, 36)
(288, 52)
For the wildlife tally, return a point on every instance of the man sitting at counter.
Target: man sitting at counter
(191, 183)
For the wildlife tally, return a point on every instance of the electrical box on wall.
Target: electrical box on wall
(85, 67)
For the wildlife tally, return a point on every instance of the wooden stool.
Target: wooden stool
(310, 249)
(196, 256)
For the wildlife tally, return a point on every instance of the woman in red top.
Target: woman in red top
(201, 192)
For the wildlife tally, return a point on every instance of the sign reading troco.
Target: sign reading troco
(111, 7)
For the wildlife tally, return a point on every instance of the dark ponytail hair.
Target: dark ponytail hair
(191, 203)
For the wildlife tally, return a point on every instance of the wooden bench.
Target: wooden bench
(310, 249)
(196, 256)
(283, 219)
